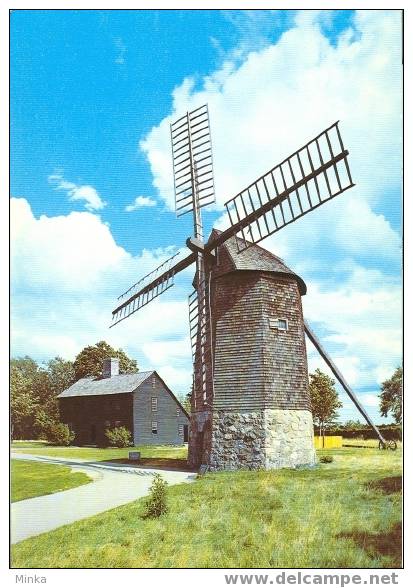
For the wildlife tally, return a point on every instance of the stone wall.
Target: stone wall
(269, 439)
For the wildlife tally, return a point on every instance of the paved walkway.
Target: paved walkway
(113, 486)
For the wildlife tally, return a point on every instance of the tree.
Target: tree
(23, 405)
(324, 400)
(391, 396)
(185, 400)
(34, 391)
(61, 374)
(89, 361)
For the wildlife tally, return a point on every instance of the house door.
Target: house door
(93, 434)
(185, 433)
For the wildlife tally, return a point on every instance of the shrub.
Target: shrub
(326, 459)
(155, 504)
(59, 434)
(118, 437)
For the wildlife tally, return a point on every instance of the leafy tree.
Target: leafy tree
(23, 404)
(61, 374)
(33, 390)
(89, 361)
(185, 400)
(391, 396)
(353, 425)
(324, 400)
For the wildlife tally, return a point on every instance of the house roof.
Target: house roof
(254, 258)
(121, 384)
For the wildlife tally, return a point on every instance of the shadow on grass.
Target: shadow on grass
(387, 543)
(160, 463)
(389, 485)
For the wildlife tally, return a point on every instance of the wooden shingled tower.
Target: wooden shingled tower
(257, 413)
(250, 402)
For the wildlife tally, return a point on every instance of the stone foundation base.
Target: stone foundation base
(266, 439)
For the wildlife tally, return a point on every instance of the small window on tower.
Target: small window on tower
(155, 427)
(154, 404)
(279, 323)
(282, 324)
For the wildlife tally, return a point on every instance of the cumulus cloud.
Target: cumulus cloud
(140, 202)
(86, 193)
(66, 274)
(285, 93)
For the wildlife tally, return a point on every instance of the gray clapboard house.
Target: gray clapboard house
(141, 402)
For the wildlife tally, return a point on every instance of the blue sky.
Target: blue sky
(92, 95)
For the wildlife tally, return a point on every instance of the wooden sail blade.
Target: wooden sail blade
(192, 160)
(149, 287)
(308, 178)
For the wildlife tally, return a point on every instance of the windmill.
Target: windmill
(250, 402)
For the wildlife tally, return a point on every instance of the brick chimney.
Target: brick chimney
(110, 367)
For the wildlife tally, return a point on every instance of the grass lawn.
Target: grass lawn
(98, 454)
(30, 479)
(374, 443)
(343, 514)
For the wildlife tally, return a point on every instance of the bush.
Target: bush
(155, 504)
(118, 437)
(59, 434)
(326, 459)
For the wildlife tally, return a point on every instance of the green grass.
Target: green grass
(30, 479)
(343, 514)
(359, 442)
(98, 454)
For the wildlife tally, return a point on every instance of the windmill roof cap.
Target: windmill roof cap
(255, 258)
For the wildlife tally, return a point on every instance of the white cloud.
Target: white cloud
(66, 274)
(75, 192)
(140, 202)
(282, 95)
(370, 399)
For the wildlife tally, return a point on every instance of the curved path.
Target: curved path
(112, 486)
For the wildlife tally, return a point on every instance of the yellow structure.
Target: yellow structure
(328, 441)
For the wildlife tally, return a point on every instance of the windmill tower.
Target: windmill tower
(258, 412)
(250, 402)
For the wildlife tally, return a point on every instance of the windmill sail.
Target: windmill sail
(308, 178)
(192, 161)
(145, 290)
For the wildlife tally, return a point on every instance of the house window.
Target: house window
(154, 404)
(118, 423)
(153, 381)
(279, 323)
(155, 427)
(178, 412)
(181, 430)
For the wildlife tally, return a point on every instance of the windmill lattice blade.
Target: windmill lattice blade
(308, 178)
(192, 160)
(149, 287)
(197, 320)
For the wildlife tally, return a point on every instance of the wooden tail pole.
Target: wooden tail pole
(316, 342)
